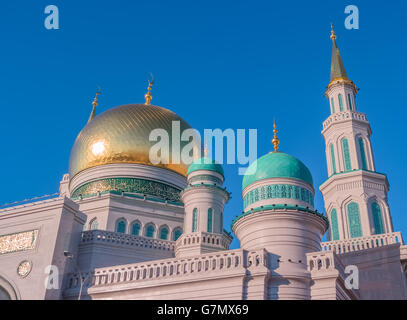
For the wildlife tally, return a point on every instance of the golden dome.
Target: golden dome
(121, 135)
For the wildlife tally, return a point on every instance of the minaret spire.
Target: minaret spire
(275, 140)
(337, 68)
(148, 95)
(94, 103)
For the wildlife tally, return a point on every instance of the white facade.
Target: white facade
(127, 230)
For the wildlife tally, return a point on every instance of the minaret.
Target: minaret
(204, 199)
(355, 194)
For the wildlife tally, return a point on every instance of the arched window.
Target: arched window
(340, 98)
(121, 226)
(194, 219)
(177, 233)
(210, 219)
(346, 154)
(93, 225)
(164, 233)
(135, 228)
(350, 102)
(333, 159)
(334, 225)
(150, 230)
(362, 153)
(332, 105)
(377, 218)
(355, 228)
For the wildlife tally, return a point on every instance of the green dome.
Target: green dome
(277, 165)
(205, 163)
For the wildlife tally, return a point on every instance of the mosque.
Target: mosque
(122, 227)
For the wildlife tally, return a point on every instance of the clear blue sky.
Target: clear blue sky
(218, 64)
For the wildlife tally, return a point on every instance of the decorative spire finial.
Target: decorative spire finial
(95, 104)
(275, 140)
(333, 35)
(148, 95)
(206, 151)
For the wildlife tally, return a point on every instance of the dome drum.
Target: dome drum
(278, 191)
(205, 176)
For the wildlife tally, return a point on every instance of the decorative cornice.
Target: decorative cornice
(133, 185)
(281, 208)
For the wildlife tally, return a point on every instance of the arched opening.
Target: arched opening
(350, 102)
(377, 218)
(194, 219)
(210, 220)
(355, 227)
(164, 233)
(93, 224)
(332, 105)
(362, 153)
(121, 226)
(4, 295)
(150, 231)
(7, 290)
(334, 225)
(346, 155)
(135, 228)
(333, 158)
(340, 99)
(176, 234)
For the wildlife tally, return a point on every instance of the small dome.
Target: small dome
(276, 165)
(205, 163)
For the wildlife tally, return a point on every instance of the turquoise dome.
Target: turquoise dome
(205, 163)
(277, 165)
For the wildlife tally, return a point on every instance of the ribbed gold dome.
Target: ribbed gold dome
(121, 135)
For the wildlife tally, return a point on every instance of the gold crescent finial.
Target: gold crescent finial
(333, 35)
(275, 140)
(95, 101)
(94, 104)
(196, 153)
(206, 151)
(148, 95)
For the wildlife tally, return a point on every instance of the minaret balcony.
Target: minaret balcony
(344, 116)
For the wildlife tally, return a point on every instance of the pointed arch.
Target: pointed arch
(362, 153)
(164, 232)
(176, 233)
(135, 228)
(350, 102)
(377, 217)
(334, 225)
(355, 227)
(194, 219)
(346, 154)
(333, 158)
(8, 290)
(121, 225)
(210, 220)
(94, 224)
(332, 105)
(149, 230)
(340, 99)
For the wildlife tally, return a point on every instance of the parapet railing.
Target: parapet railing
(324, 261)
(102, 236)
(344, 115)
(222, 241)
(363, 243)
(172, 268)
